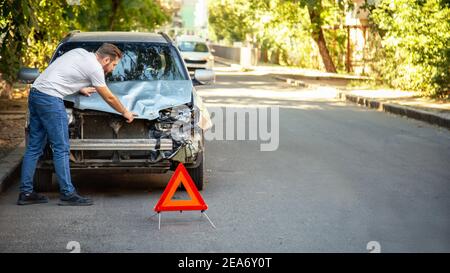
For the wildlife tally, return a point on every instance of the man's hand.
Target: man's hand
(115, 103)
(87, 91)
(129, 116)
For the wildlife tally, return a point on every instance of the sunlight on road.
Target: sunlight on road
(248, 89)
(320, 93)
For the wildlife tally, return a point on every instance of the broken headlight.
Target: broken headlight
(168, 117)
(182, 115)
(176, 122)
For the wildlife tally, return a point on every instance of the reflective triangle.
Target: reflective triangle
(166, 203)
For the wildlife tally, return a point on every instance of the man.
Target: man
(75, 71)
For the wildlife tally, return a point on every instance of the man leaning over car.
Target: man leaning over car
(75, 71)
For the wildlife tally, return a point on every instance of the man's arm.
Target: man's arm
(114, 102)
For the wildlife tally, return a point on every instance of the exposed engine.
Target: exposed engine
(176, 124)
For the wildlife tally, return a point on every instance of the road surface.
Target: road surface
(341, 177)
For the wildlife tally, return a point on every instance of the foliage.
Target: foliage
(282, 28)
(229, 19)
(120, 15)
(31, 29)
(415, 39)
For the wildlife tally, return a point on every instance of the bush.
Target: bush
(415, 39)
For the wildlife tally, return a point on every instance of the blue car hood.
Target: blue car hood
(145, 98)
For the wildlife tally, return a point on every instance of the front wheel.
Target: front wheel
(197, 174)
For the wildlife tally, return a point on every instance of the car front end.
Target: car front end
(152, 82)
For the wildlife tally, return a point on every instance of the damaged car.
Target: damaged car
(150, 80)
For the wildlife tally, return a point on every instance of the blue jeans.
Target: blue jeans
(48, 121)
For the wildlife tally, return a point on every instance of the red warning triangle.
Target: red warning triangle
(166, 203)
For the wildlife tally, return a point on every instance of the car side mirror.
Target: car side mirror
(204, 76)
(28, 75)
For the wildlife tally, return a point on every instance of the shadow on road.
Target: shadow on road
(117, 182)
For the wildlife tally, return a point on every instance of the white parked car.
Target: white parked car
(195, 52)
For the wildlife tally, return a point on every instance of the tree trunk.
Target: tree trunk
(318, 37)
(324, 53)
(114, 9)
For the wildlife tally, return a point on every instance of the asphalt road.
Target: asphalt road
(342, 176)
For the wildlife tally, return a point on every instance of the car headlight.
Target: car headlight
(182, 115)
(177, 123)
(177, 117)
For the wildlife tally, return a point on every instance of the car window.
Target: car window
(193, 46)
(140, 61)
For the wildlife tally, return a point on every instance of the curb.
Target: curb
(10, 166)
(429, 117)
(331, 77)
(291, 81)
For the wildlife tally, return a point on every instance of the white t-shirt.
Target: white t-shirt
(69, 73)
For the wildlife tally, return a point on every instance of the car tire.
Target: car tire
(43, 181)
(197, 174)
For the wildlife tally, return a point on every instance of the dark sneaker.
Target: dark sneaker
(31, 198)
(74, 200)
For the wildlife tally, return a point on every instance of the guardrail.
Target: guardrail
(227, 52)
(245, 56)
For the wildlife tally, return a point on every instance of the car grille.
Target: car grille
(97, 125)
(195, 61)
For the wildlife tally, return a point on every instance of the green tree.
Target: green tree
(31, 29)
(276, 27)
(317, 14)
(415, 44)
(230, 20)
(283, 26)
(121, 15)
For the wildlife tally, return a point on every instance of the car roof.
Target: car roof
(115, 36)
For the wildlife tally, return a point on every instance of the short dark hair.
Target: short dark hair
(109, 50)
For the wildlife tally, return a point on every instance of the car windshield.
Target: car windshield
(193, 46)
(140, 61)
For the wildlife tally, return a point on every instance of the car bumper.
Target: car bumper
(184, 155)
(193, 66)
(121, 144)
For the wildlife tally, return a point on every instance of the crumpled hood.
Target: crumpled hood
(145, 98)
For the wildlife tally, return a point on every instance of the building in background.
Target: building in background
(357, 24)
(188, 17)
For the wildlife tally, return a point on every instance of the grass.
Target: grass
(367, 84)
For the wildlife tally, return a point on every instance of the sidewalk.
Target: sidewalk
(10, 166)
(12, 134)
(393, 101)
(398, 102)
(292, 72)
